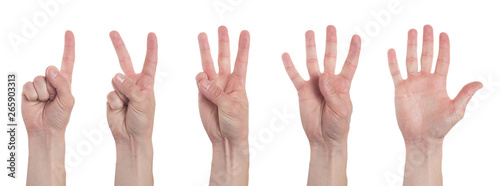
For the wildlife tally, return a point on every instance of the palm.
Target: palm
(132, 103)
(224, 112)
(423, 107)
(325, 104)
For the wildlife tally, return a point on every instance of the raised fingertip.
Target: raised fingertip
(412, 32)
(114, 34)
(69, 35)
(222, 28)
(309, 32)
(391, 52)
(331, 28)
(443, 36)
(356, 39)
(151, 37)
(202, 36)
(285, 57)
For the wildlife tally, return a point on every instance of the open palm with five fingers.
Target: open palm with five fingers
(423, 108)
(47, 101)
(222, 99)
(131, 106)
(424, 111)
(325, 104)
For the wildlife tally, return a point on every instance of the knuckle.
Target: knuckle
(312, 60)
(71, 100)
(458, 111)
(27, 85)
(111, 95)
(39, 79)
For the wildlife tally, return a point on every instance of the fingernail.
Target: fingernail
(52, 71)
(52, 96)
(120, 78)
(206, 84)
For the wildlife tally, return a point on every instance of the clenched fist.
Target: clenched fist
(47, 101)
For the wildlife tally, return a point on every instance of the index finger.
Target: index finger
(68, 59)
(240, 66)
(351, 63)
(206, 58)
(443, 61)
(122, 53)
(311, 55)
(151, 60)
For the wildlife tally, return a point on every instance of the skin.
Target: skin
(424, 111)
(130, 114)
(46, 104)
(325, 107)
(223, 108)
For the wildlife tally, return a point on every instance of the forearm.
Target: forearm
(46, 159)
(423, 163)
(230, 163)
(134, 162)
(328, 164)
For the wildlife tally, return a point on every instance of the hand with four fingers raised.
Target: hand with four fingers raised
(325, 107)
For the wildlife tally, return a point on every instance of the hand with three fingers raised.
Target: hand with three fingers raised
(223, 108)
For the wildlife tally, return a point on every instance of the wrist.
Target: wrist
(429, 146)
(234, 154)
(49, 134)
(330, 153)
(328, 163)
(47, 143)
(137, 148)
(423, 162)
(230, 163)
(134, 162)
(46, 158)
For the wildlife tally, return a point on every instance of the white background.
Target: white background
(280, 151)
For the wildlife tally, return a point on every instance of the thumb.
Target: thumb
(211, 91)
(466, 94)
(60, 84)
(325, 86)
(127, 87)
